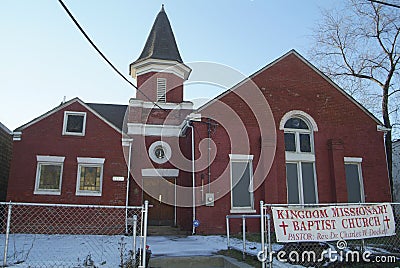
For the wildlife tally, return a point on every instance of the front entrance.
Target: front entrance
(162, 197)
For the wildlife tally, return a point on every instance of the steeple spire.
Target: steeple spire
(161, 42)
(159, 70)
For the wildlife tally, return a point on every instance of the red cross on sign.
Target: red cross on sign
(387, 221)
(283, 225)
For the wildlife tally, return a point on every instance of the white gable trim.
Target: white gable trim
(62, 106)
(294, 52)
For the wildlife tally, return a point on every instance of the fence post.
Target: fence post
(146, 213)
(134, 238)
(262, 231)
(269, 241)
(244, 236)
(227, 231)
(7, 234)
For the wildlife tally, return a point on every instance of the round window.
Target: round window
(160, 152)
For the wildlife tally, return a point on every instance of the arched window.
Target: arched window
(300, 159)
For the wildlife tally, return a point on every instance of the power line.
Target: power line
(102, 54)
(384, 3)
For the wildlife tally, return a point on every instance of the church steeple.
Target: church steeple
(161, 42)
(159, 70)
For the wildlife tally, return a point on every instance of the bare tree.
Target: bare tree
(358, 48)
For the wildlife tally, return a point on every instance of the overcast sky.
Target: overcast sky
(43, 56)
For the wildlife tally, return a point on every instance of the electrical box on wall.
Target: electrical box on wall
(210, 199)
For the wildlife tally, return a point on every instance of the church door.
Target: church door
(162, 197)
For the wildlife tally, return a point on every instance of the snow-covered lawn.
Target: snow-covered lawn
(29, 250)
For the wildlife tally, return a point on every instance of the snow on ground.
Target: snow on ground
(29, 250)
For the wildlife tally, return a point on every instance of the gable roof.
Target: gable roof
(298, 55)
(111, 114)
(161, 42)
(3, 127)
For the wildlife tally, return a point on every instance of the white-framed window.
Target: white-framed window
(301, 183)
(354, 180)
(49, 172)
(74, 123)
(161, 89)
(160, 152)
(89, 176)
(301, 179)
(241, 173)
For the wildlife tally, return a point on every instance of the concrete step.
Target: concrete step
(165, 231)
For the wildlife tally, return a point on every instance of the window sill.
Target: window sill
(42, 192)
(238, 210)
(76, 134)
(82, 193)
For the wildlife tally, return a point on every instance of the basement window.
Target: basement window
(74, 123)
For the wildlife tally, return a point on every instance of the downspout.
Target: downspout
(127, 186)
(209, 156)
(193, 181)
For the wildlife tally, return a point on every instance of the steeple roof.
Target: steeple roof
(161, 42)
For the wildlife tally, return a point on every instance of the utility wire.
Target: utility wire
(103, 56)
(384, 3)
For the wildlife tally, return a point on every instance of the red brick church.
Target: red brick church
(286, 134)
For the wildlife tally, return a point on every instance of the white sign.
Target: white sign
(118, 178)
(333, 222)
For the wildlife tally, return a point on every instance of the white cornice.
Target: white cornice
(187, 105)
(154, 130)
(160, 66)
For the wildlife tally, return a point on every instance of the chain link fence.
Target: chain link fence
(349, 248)
(61, 235)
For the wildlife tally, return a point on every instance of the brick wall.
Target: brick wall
(45, 138)
(344, 130)
(148, 85)
(5, 159)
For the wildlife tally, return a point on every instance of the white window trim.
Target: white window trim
(300, 157)
(248, 159)
(357, 161)
(48, 160)
(89, 162)
(300, 181)
(65, 132)
(241, 157)
(349, 160)
(300, 114)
